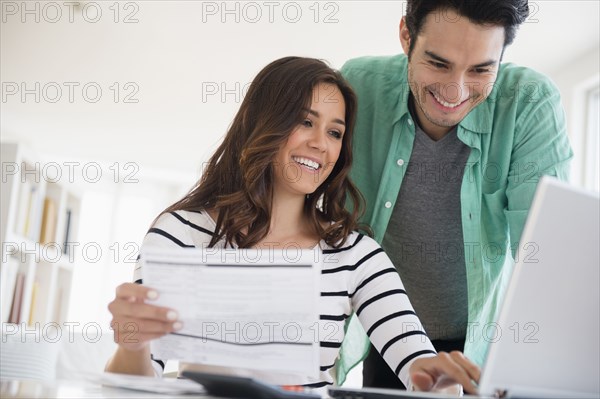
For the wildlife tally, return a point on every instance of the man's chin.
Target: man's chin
(445, 123)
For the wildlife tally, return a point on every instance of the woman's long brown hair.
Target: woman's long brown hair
(238, 182)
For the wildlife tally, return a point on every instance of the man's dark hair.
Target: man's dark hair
(507, 13)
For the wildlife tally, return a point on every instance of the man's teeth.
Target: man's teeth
(444, 103)
(307, 162)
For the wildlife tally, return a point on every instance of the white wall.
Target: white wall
(574, 79)
(114, 220)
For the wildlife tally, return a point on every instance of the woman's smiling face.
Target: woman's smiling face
(312, 149)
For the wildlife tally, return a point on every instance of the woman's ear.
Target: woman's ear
(404, 36)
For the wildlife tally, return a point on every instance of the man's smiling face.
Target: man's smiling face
(451, 68)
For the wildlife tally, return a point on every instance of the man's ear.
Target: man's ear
(404, 36)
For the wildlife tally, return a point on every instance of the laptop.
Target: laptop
(550, 316)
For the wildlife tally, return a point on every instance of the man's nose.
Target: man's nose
(453, 90)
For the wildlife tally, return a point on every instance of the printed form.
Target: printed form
(241, 308)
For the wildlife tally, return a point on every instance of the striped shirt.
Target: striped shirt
(357, 277)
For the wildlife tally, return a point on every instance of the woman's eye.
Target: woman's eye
(336, 134)
(307, 123)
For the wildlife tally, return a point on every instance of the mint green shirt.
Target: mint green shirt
(517, 135)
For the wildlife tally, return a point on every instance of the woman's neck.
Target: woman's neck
(288, 224)
(287, 214)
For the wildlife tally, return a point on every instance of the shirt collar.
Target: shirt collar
(479, 120)
(400, 89)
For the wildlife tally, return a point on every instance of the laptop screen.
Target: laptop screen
(547, 335)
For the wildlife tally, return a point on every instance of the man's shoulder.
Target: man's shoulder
(381, 80)
(529, 82)
(519, 72)
(375, 66)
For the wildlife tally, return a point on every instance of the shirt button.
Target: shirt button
(400, 162)
(410, 122)
(388, 204)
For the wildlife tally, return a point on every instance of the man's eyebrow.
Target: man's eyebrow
(316, 114)
(485, 64)
(445, 61)
(437, 57)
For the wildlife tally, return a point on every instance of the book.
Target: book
(32, 214)
(17, 302)
(67, 231)
(32, 312)
(48, 229)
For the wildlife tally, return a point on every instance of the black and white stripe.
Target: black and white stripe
(355, 279)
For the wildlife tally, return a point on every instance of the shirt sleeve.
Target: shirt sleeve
(541, 148)
(168, 232)
(385, 312)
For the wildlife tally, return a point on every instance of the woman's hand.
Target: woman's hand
(443, 371)
(134, 322)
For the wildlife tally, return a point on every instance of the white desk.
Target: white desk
(75, 389)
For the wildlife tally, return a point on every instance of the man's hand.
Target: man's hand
(443, 371)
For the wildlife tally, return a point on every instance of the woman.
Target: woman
(281, 177)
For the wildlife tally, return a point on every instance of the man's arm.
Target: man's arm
(541, 148)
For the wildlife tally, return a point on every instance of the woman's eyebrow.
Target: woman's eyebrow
(316, 114)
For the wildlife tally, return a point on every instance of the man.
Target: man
(449, 146)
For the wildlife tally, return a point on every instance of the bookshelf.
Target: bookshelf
(39, 213)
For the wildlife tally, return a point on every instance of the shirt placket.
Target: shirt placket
(398, 157)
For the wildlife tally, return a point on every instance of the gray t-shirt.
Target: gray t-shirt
(424, 238)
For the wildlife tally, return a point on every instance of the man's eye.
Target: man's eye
(481, 70)
(438, 64)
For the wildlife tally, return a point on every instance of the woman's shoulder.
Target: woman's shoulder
(178, 229)
(185, 219)
(183, 226)
(355, 244)
(358, 256)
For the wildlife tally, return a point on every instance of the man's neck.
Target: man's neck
(434, 132)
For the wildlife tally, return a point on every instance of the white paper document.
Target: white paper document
(167, 386)
(254, 309)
